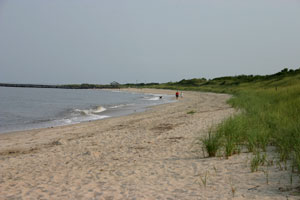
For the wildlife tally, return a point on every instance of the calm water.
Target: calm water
(30, 108)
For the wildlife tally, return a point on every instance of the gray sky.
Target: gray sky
(99, 41)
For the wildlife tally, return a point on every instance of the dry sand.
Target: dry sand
(149, 155)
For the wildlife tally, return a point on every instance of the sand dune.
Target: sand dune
(149, 155)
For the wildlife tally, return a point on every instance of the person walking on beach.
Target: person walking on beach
(177, 95)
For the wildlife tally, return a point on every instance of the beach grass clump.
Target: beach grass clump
(258, 160)
(212, 143)
(230, 131)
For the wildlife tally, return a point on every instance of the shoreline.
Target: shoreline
(147, 155)
(116, 110)
(25, 134)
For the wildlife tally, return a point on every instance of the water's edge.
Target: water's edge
(101, 113)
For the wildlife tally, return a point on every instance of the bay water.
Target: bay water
(31, 108)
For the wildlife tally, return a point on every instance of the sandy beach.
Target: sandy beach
(148, 155)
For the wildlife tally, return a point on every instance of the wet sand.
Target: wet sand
(149, 155)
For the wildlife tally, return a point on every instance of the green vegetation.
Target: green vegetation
(257, 161)
(191, 112)
(269, 114)
(212, 143)
(231, 84)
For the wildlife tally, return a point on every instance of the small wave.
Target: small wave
(79, 115)
(153, 98)
(118, 106)
(75, 120)
(66, 121)
(121, 105)
(99, 109)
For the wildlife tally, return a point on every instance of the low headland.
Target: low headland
(240, 145)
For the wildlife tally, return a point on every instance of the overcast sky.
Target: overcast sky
(99, 41)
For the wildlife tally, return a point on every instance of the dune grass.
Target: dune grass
(212, 143)
(269, 114)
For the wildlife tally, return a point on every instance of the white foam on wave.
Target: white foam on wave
(116, 91)
(75, 120)
(118, 106)
(66, 121)
(99, 109)
(121, 105)
(82, 115)
(153, 98)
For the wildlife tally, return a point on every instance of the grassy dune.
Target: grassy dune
(269, 114)
(268, 117)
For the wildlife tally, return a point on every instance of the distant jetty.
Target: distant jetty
(71, 86)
